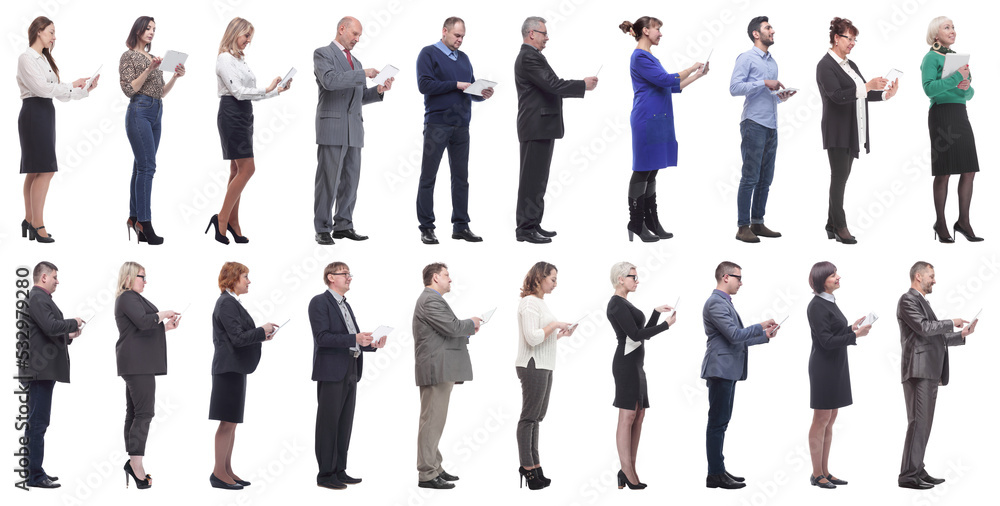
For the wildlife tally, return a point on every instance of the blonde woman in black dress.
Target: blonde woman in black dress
(632, 330)
(829, 375)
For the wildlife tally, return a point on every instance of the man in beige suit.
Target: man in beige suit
(441, 349)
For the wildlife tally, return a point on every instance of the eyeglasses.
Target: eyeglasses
(143, 276)
(347, 274)
(851, 39)
(541, 32)
(738, 277)
(635, 277)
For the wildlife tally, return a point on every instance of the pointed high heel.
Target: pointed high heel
(139, 484)
(214, 221)
(145, 229)
(240, 239)
(942, 236)
(968, 237)
(33, 235)
(623, 480)
(132, 224)
(531, 476)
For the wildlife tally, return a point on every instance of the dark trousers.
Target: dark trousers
(334, 422)
(140, 397)
(39, 411)
(455, 139)
(840, 169)
(536, 385)
(758, 149)
(536, 157)
(921, 397)
(721, 393)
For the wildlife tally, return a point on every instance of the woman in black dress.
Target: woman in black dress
(829, 376)
(630, 379)
(237, 352)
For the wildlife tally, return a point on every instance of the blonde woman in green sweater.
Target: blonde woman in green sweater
(953, 145)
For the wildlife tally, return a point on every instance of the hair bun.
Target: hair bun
(626, 27)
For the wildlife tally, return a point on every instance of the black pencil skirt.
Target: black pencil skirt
(229, 394)
(236, 128)
(36, 127)
(953, 146)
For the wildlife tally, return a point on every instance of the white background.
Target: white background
(888, 206)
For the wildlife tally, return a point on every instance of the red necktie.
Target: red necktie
(349, 60)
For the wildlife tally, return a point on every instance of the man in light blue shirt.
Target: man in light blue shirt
(756, 77)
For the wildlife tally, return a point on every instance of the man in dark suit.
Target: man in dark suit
(340, 132)
(725, 363)
(49, 337)
(539, 124)
(925, 341)
(337, 364)
(441, 356)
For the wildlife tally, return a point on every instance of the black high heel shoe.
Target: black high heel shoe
(531, 476)
(623, 480)
(214, 221)
(34, 236)
(240, 239)
(541, 476)
(145, 229)
(139, 484)
(132, 224)
(943, 236)
(968, 237)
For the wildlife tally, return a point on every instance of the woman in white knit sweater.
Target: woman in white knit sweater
(538, 331)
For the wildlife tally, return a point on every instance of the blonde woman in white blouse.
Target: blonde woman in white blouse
(538, 331)
(38, 80)
(237, 88)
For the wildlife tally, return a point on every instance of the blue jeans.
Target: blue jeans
(721, 393)
(455, 139)
(142, 125)
(39, 410)
(758, 149)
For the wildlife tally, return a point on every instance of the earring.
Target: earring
(936, 45)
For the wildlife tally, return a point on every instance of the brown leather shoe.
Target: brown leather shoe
(762, 231)
(746, 235)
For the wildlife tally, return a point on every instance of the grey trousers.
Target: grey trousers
(140, 397)
(337, 174)
(536, 384)
(921, 397)
(433, 413)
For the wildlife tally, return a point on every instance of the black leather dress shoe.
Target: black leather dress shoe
(324, 238)
(722, 481)
(349, 234)
(533, 237)
(926, 477)
(437, 483)
(347, 480)
(916, 486)
(545, 233)
(466, 235)
(735, 478)
(53, 478)
(46, 483)
(332, 484)
(427, 236)
(447, 477)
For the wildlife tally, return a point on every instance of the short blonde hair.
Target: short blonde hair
(934, 28)
(237, 27)
(620, 270)
(126, 276)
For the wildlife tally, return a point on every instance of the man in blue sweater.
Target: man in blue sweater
(443, 74)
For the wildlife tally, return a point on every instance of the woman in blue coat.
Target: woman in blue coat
(654, 145)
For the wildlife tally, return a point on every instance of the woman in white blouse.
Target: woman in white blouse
(237, 88)
(844, 124)
(536, 358)
(38, 80)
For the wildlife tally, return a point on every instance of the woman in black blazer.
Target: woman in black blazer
(141, 353)
(845, 117)
(829, 375)
(237, 352)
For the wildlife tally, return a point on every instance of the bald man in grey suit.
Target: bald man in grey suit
(924, 360)
(340, 133)
(441, 352)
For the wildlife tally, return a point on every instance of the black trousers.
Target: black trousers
(840, 169)
(536, 158)
(455, 139)
(334, 422)
(140, 397)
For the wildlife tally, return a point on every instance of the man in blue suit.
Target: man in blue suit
(726, 363)
(337, 361)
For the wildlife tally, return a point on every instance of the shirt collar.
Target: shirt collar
(842, 62)
(230, 292)
(827, 297)
(336, 296)
(34, 54)
(760, 52)
(342, 48)
(724, 295)
(39, 287)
